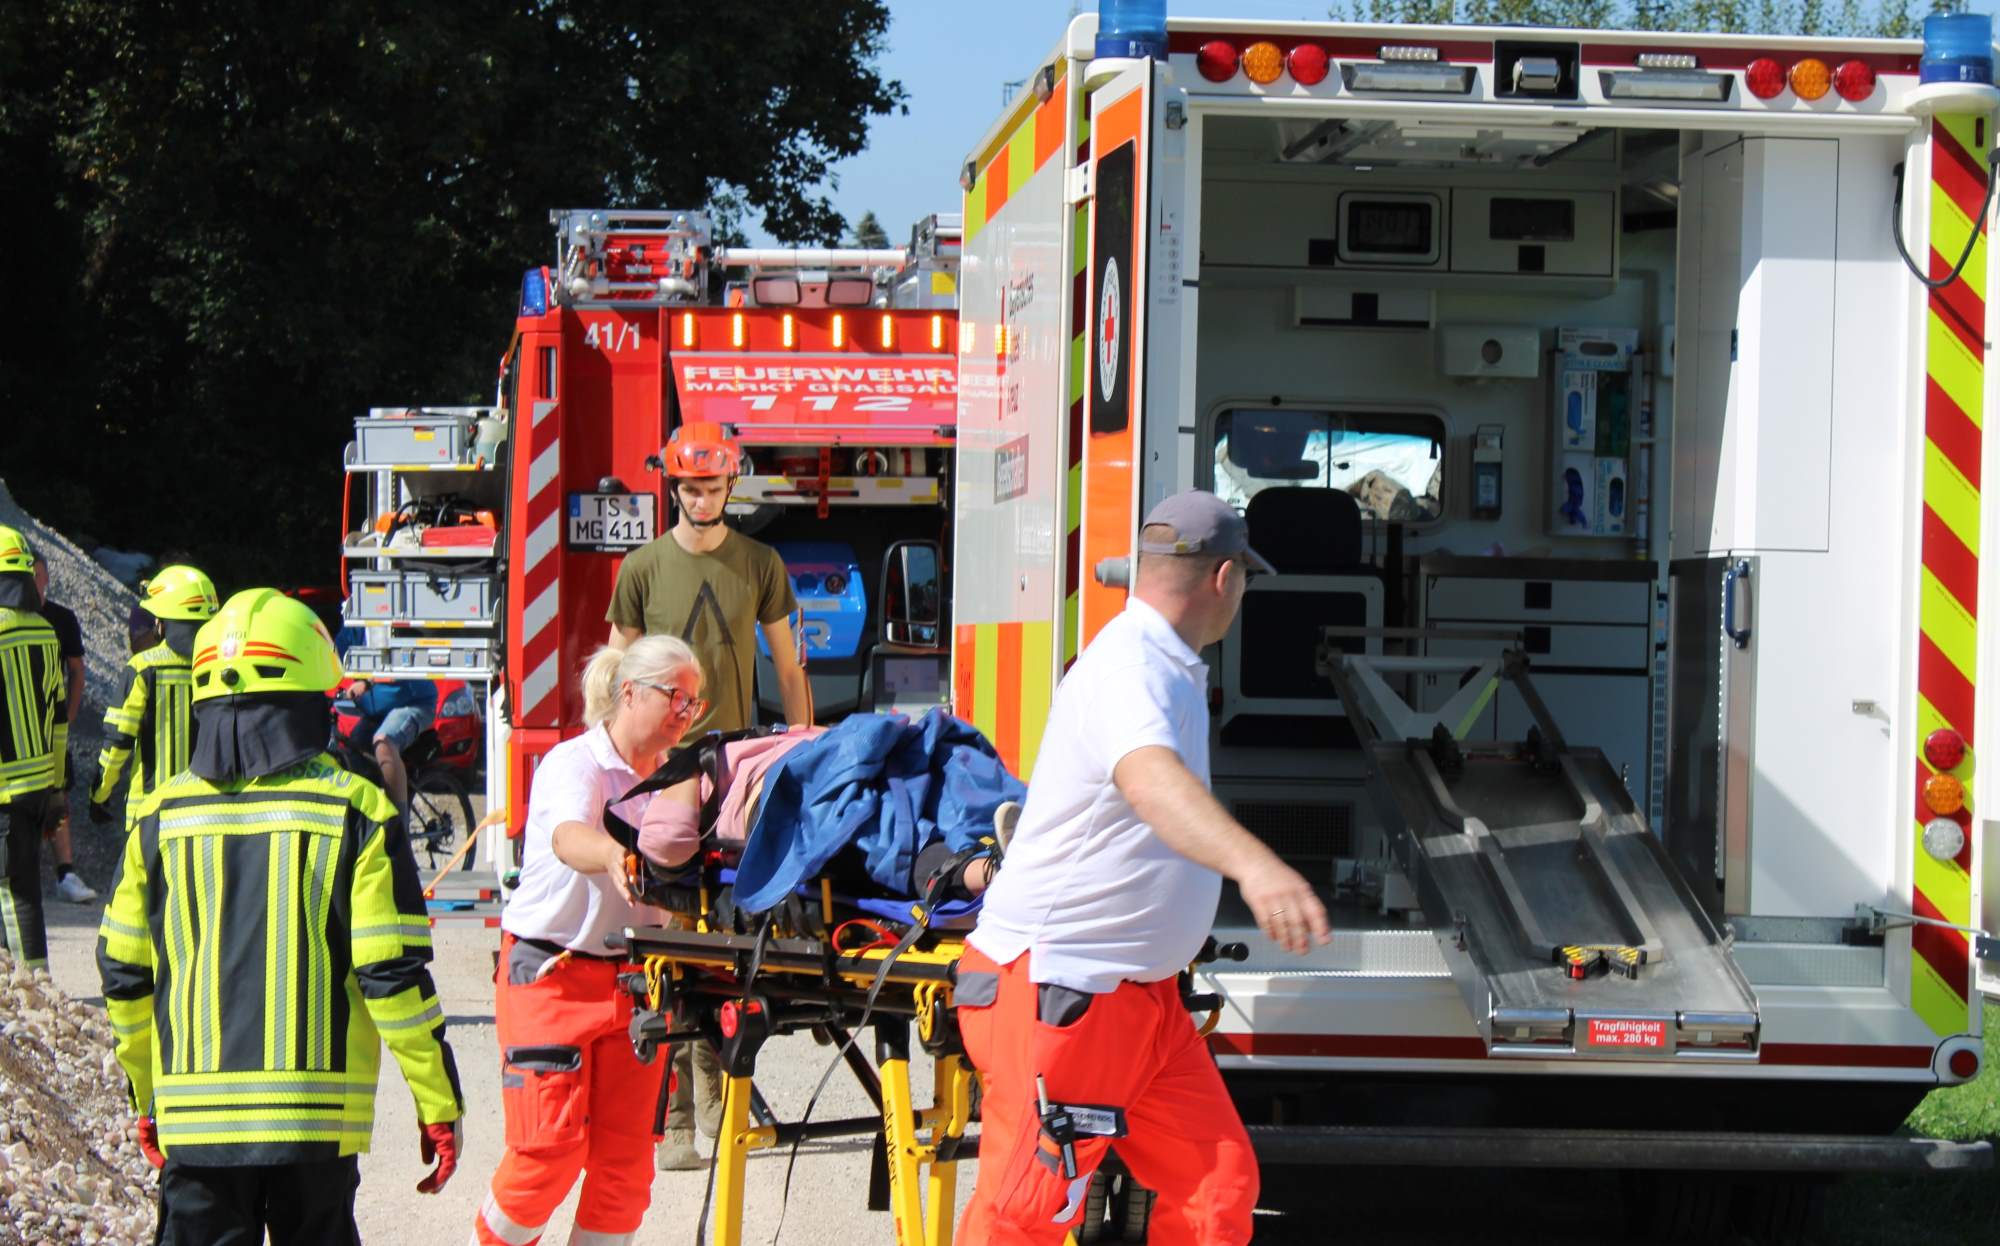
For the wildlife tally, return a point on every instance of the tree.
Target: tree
(868, 233)
(248, 224)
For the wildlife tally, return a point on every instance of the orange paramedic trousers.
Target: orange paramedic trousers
(1134, 1048)
(576, 1100)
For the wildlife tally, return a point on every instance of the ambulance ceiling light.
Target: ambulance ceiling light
(1263, 63)
(1409, 78)
(1764, 78)
(1944, 839)
(1810, 79)
(1664, 84)
(1854, 81)
(1217, 60)
(1308, 64)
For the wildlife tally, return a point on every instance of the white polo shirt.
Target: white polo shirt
(1087, 887)
(554, 902)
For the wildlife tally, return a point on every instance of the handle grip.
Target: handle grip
(1739, 571)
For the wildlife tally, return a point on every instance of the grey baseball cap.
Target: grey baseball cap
(1202, 523)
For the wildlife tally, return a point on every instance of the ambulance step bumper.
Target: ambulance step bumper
(1440, 1147)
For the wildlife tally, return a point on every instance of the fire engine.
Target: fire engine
(1622, 700)
(834, 369)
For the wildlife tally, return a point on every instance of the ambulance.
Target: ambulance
(1610, 407)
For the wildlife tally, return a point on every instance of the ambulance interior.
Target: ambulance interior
(1437, 365)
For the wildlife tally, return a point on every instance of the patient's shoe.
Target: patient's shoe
(676, 1152)
(1005, 819)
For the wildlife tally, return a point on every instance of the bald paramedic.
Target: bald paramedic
(1067, 995)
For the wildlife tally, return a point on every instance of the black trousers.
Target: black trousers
(22, 931)
(301, 1204)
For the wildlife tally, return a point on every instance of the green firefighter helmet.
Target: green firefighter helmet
(180, 592)
(15, 552)
(263, 641)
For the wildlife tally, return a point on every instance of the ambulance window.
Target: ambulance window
(1392, 463)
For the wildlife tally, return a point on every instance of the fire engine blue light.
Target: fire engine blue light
(1958, 47)
(1132, 28)
(534, 294)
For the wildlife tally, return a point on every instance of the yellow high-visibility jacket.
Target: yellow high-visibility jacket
(153, 716)
(34, 708)
(264, 938)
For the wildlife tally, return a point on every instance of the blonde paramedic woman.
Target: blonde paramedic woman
(576, 1099)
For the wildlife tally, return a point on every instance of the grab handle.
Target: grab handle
(1739, 636)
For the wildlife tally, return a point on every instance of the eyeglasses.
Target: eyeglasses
(678, 701)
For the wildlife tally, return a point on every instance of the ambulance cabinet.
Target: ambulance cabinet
(1586, 626)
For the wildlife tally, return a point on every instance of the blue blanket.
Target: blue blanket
(881, 783)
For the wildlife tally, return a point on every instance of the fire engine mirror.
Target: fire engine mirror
(775, 291)
(849, 292)
(913, 595)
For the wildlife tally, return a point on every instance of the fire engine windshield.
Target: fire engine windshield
(1392, 463)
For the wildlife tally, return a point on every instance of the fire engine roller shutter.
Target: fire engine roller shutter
(1948, 613)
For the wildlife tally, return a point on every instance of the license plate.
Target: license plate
(1649, 1035)
(611, 521)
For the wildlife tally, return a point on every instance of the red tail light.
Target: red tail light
(1308, 64)
(1216, 60)
(1854, 81)
(1965, 1063)
(1944, 749)
(1764, 78)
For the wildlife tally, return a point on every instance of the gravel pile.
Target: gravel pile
(70, 1167)
(101, 605)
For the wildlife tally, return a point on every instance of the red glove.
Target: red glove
(149, 1142)
(441, 1143)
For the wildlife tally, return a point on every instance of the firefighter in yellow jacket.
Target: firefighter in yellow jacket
(34, 738)
(265, 927)
(152, 715)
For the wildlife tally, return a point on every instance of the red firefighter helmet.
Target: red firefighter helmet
(702, 449)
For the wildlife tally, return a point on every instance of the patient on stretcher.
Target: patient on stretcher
(877, 803)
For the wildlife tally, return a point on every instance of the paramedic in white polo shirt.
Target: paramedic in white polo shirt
(1067, 994)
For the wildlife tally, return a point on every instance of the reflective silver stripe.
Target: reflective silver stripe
(276, 1125)
(134, 1028)
(115, 926)
(214, 816)
(417, 927)
(280, 1033)
(505, 1227)
(184, 1090)
(591, 1237)
(318, 1003)
(433, 1013)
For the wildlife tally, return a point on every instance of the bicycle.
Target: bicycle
(440, 809)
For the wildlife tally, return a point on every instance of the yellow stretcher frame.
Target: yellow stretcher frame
(923, 1144)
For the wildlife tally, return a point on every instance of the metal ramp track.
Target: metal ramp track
(1566, 927)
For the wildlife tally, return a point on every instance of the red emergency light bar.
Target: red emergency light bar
(813, 330)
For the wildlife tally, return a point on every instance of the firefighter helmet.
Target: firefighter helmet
(701, 450)
(263, 641)
(15, 553)
(180, 592)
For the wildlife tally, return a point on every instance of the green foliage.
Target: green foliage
(868, 232)
(238, 226)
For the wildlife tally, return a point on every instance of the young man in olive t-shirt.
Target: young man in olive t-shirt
(712, 588)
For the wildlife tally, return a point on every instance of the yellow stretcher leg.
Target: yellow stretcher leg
(733, 1148)
(899, 1131)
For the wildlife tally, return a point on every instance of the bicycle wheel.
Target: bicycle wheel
(440, 814)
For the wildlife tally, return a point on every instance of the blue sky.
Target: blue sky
(953, 58)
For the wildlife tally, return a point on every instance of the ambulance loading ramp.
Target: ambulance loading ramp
(1567, 929)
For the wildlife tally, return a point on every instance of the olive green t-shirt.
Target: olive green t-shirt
(714, 602)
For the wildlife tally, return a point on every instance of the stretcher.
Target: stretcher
(832, 966)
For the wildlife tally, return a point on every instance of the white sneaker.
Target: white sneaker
(74, 889)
